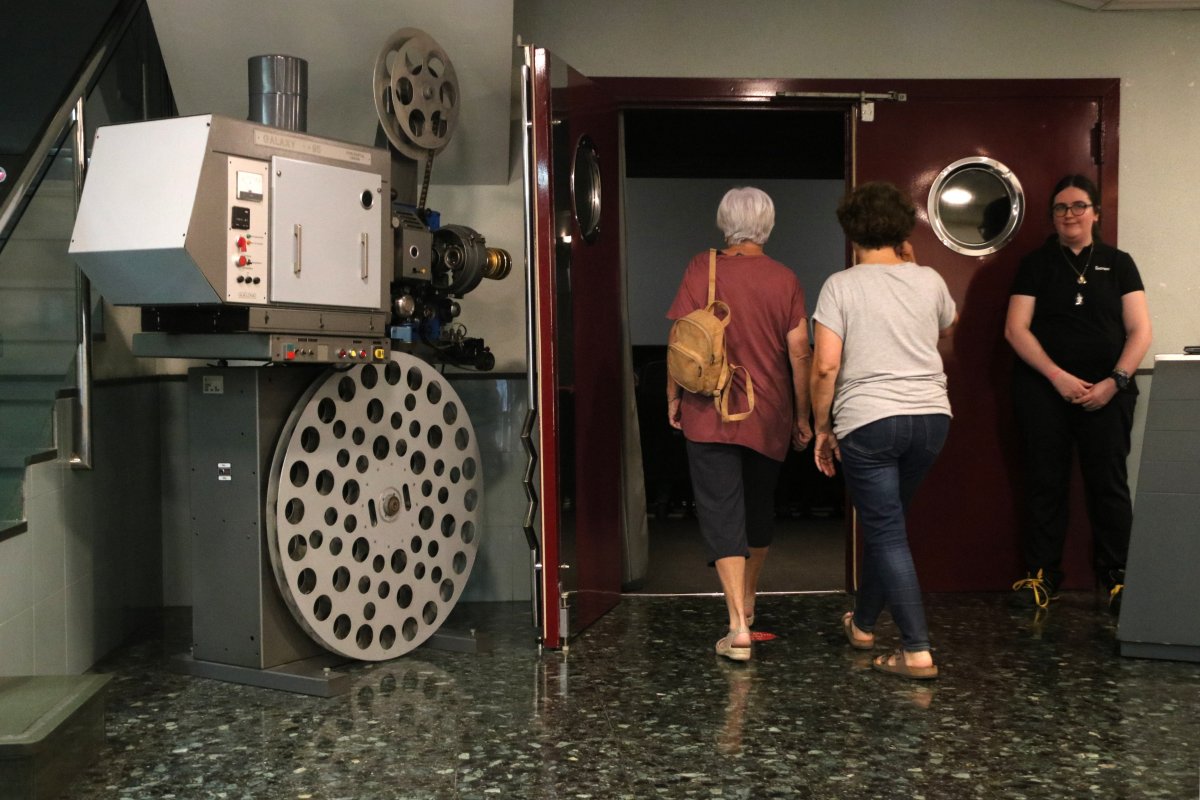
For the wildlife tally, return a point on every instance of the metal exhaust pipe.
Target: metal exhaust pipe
(279, 91)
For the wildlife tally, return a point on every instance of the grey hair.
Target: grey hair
(746, 213)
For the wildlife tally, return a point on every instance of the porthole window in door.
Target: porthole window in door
(585, 188)
(976, 206)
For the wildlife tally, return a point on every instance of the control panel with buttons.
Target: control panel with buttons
(247, 231)
(328, 350)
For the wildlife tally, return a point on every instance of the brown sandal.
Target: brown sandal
(854, 641)
(893, 664)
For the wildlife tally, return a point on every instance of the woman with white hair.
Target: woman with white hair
(734, 465)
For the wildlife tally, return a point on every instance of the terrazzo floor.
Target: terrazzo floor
(639, 707)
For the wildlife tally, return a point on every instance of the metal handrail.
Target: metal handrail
(69, 113)
(81, 420)
(58, 126)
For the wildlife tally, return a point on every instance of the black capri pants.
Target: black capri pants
(734, 488)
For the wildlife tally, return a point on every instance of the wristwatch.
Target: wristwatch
(1120, 378)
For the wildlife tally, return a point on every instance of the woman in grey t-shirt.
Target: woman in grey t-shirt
(880, 406)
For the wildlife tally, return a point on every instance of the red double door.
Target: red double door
(965, 521)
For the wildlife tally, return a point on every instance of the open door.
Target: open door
(966, 519)
(574, 349)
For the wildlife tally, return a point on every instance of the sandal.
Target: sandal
(893, 664)
(726, 647)
(856, 642)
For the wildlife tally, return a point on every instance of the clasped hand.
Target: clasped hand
(1092, 396)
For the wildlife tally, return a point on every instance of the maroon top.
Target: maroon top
(766, 301)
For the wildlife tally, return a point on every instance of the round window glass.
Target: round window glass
(976, 206)
(585, 189)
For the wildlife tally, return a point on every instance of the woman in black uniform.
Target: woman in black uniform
(1078, 321)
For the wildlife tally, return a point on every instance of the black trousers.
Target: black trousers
(1051, 429)
(734, 488)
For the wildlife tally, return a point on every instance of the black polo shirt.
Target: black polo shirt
(1080, 326)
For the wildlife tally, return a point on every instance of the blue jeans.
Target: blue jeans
(884, 463)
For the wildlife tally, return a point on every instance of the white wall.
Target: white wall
(1156, 54)
(206, 45)
(495, 310)
(73, 586)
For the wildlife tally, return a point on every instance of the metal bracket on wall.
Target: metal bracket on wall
(866, 100)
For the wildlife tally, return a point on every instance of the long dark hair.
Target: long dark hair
(1089, 188)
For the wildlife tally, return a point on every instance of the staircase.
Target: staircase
(121, 77)
(37, 330)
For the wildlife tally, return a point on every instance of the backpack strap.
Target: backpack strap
(722, 401)
(712, 275)
(719, 305)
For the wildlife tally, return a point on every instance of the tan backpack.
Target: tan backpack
(696, 354)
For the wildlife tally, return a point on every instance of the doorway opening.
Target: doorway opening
(678, 163)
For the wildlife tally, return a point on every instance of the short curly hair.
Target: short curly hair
(877, 214)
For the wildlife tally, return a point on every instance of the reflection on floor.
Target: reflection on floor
(639, 707)
(808, 554)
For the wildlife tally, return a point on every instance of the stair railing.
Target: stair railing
(70, 113)
(81, 416)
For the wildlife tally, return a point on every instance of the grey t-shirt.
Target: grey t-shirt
(888, 317)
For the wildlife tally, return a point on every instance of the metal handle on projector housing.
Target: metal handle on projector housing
(365, 252)
(297, 230)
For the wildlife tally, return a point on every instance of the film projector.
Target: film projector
(335, 477)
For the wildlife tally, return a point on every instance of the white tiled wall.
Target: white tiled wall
(72, 584)
(16, 605)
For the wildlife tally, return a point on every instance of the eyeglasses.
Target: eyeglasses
(1077, 208)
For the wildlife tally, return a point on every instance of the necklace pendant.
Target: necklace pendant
(1078, 299)
(1081, 280)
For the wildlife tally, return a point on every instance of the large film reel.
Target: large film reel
(373, 506)
(416, 93)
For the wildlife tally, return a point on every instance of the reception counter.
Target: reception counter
(1160, 614)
